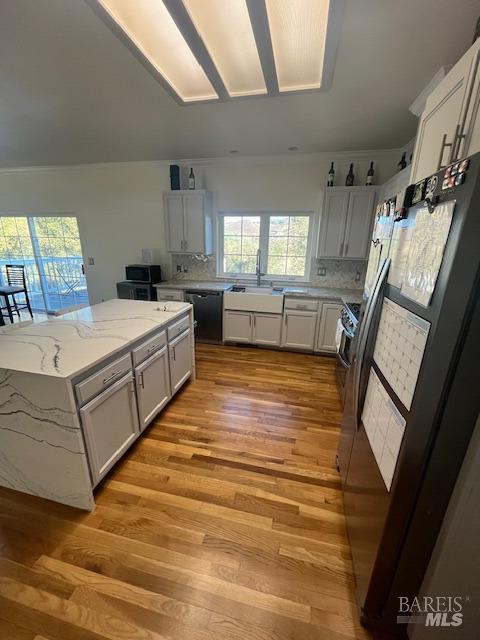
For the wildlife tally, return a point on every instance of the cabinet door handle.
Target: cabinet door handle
(142, 381)
(444, 145)
(286, 319)
(152, 348)
(186, 245)
(341, 249)
(111, 377)
(346, 249)
(254, 321)
(250, 320)
(174, 354)
(457, 141)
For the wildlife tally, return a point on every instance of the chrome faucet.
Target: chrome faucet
(259, 273)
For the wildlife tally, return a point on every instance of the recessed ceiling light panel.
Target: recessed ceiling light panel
(224, 26)
(150, 27)
(298, 30)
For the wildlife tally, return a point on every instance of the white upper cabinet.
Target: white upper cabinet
(451, 110)
(334, 219)
(359, 222)
(346, 222)
(188, 221)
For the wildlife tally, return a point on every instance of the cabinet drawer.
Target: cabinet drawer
(149, 347)
(177, 327)
(170, 294)
(301, 304)
(102, 379)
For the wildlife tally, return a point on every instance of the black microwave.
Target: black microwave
(149, 273)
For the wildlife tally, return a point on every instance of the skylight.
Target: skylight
(207, 50)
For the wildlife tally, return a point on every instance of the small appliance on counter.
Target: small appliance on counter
(140, 282)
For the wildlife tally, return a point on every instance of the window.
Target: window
(283, 238)
(49, 248)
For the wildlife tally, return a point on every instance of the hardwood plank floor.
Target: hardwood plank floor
(224, 521)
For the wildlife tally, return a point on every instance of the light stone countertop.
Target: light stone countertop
(67, 345)
(206, 285)
(345, 295)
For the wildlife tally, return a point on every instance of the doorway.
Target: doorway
(49, 247)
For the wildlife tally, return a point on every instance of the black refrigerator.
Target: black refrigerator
(412, 396)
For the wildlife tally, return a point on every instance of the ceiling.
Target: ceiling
(71, 92)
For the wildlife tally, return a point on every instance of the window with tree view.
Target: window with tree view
(282, 238)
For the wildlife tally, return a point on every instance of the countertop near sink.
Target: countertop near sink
(67, 345)
(184, 285)
(345, 295)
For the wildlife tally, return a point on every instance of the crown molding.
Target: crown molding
(267, 160)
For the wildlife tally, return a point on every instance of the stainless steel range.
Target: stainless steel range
(346, 327)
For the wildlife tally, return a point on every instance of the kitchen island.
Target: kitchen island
(76, 391)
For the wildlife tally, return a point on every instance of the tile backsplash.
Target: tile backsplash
(344, 274)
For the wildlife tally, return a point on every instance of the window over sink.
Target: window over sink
(284, 240)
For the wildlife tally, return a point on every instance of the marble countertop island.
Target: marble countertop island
(67, 345)
(42, 444)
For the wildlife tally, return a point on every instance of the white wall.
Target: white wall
(119, 205)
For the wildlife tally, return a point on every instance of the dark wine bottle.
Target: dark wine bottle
(191, 180)
(331, 176)
(350, 177)
(403, 163)
(370, 172)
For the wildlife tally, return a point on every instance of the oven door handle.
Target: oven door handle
(342, 361)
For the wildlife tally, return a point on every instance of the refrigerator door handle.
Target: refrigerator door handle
(363, 336)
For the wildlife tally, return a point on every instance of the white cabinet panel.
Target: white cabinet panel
(174, 223)
(110, 424)
(267, 329)
(332, 228)
(346, 222)
(180, 358)
(327, 327)
(194, 223)
(152, 379)
(359, 224)
(450, 104)
(299, 329)
(237, 326)
(188, 221)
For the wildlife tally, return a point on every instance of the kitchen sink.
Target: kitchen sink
(263, 299)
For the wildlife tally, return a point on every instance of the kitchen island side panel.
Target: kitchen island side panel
(42, 450)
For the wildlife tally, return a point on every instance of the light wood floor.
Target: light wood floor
(224, 521)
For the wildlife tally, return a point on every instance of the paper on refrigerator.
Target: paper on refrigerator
(384, 426)
(427, 246)
(399, 250)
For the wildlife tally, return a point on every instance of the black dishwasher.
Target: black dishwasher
(208, 313)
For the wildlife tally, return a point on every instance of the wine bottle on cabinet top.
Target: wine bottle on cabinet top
(191, 180)
(331, 176)
(350, 177)
(369, 179)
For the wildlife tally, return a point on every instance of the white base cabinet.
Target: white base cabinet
(237, 326)
(327, 326)
(267, 329)
(152, 379)
(251, 327)
(180, 357)
(299, 329)
(110, 423)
